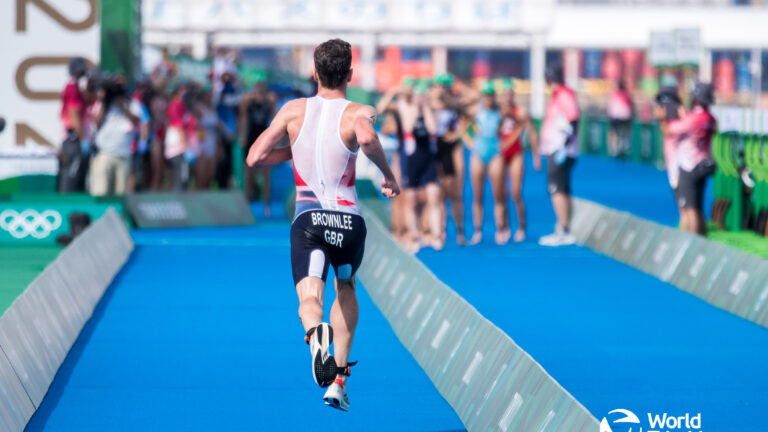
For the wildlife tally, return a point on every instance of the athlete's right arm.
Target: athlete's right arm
(263, 152)
(368, 140)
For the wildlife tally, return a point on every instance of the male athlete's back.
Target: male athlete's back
(326, 132)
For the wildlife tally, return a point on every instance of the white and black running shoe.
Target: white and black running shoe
(323, 364)
(336, 396)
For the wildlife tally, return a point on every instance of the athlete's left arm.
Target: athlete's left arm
(533, 136)
(264, 151)
(368, 139)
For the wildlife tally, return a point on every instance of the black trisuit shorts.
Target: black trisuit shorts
(320, 238)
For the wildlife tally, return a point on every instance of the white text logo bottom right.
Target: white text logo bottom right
(625, 420)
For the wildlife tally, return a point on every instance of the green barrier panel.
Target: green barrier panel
(39, 219)
(29, 184)
(722, 276)
(185, 209)
(490, 382)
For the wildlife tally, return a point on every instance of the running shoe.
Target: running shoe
(336, 395)
(558, 238)
(323, 364)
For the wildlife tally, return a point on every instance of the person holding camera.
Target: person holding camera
(692, 134)
(116, 131)
(73, 112)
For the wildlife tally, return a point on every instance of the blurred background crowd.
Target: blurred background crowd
(177, 90)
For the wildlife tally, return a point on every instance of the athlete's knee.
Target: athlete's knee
(517, 196)
(345, 288)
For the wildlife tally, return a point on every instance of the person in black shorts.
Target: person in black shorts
(339, 236)
(256, 110)
(418, 161)
(450, 167)
(325, 133)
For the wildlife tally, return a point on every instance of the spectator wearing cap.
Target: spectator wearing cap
(72, 169)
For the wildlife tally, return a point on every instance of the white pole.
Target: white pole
(537, 64)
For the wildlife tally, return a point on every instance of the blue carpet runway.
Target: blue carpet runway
(613, 336)
(200, 332)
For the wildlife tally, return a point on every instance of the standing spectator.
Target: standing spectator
(516, 121)
(73, 111)
(115, 135)
(620, 118)
(560, 144)
(418, 162)
(158, 111)
(693, 132)
(226, 109)
(138, 106)
(669, 108)
(165, 71)
(256, 111)
(210, 129)
(176, 137)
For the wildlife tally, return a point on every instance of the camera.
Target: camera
(669, 99)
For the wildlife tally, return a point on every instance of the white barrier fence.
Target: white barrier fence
(39, 328)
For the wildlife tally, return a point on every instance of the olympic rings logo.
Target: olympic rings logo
(30, 223)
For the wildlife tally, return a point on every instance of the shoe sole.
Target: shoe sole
(324, 372)
(334, 403)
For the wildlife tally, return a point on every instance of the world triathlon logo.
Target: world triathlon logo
(30, 223)
(627, 421)
(629, 418)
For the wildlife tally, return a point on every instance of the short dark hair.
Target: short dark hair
(554, 73)
(333, 59)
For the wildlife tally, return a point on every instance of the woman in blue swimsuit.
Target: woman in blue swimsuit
(486, 160)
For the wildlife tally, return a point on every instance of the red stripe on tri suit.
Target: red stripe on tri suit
(297, 177)
(345, 202)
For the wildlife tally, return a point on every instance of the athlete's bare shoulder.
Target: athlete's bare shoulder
(294, 107)
(356, 111)
(291, 114)
(355, 115)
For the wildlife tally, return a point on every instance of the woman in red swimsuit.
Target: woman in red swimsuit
(515, 119)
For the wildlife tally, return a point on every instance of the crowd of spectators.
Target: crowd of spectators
(165, 132)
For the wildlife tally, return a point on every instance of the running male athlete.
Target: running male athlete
(325, 133)
(515, 120)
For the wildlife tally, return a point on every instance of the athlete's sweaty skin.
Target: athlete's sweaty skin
(356, 130)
